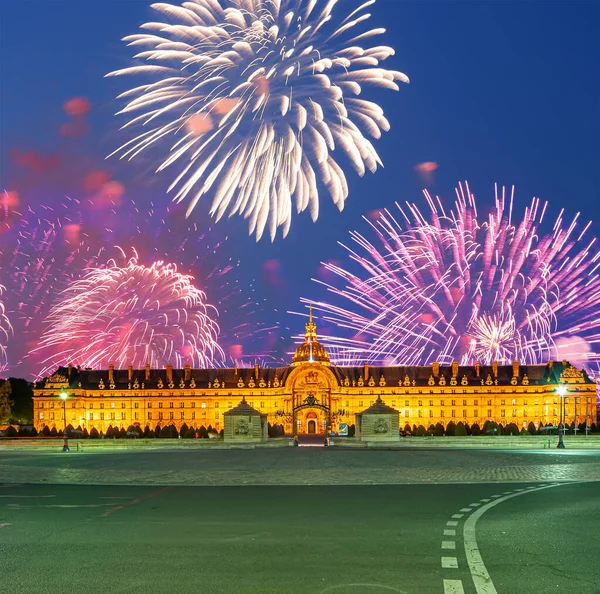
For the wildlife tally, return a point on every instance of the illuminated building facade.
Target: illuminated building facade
(313, 396)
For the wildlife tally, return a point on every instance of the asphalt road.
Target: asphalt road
(533, 538)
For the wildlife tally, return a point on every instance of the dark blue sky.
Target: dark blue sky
(505, 92)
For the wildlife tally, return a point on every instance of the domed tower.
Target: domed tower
(310, 351)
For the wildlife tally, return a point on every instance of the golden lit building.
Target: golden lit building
(313, 396)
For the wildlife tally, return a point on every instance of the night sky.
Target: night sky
(505, 92)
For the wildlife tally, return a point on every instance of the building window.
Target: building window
(160, 416)
(182, 415)
(420, 403)
(431, 403)
(122, 405)
(52, 416)
(42, 405)
(442, 414)
(489, 413)
(102, 405)
(464, 414)
(193, 415)
(102, 416)
(122, 416)
(91, 405)
(193, 405)
(171, 415)
(430, 413)
(464, 403)
(73, 417)
(475, 413)
(91, 416)
(41, 416)
(406, 403)
(393, 403)
(112, 416)
(136, 405)
(406, 412)
(72, 405)
(112, 404)
(502, 413)
(149, 416)
(525, 402)
(360, 403)
(347, 403)
(182, 405)
(442, 403)
(149, 404)
(52, 405)
(514, 402)
(204, 405)
(514, 412)
(453, 413)
(170, 405)
(502, 402)
(262, 405)
(453, 404)
(160, 405)
(476, 402)
(420, 413)
(489, 403)
(136, 416)
(217, 416)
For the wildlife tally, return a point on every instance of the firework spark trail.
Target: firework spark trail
(131, 315)
(6, 333)
(257, 95)
(457, 285)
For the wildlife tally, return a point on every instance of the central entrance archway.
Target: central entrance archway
(311, 426)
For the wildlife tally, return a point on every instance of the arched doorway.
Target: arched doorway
(311, 422)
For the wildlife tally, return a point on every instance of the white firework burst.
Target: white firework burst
(257, 96)
(131, 315)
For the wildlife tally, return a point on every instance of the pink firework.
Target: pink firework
(131, 315)
(6, 332)
(458, 286)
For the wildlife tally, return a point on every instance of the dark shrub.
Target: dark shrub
(531, 428)
(94, 433)
(451, 428)
(421, 431)
(46, 431)
(438, 429)
(475, 429)
(10, 432)
(460, 429)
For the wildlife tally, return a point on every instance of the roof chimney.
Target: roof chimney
(256, 370)
(515, 368)
(69, 369)
(495, 368)
(435, 369)
(187, 372)
(454, 368)
(169, 373)
(147, 371)
(111, 372)
(130, 372)
(366, 371)
(477, 368)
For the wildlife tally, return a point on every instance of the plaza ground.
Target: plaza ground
(250, 521)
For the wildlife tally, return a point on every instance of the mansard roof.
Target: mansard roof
(347, 376)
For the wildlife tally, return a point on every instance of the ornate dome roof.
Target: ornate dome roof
(310, 351)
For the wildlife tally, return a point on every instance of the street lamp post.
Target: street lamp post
(562, 392)
(64, 397)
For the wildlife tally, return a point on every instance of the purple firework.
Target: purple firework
(461, 286)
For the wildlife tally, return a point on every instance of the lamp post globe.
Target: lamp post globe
(63, 395)
(562, 393)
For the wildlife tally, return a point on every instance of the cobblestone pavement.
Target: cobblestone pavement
(296, 466)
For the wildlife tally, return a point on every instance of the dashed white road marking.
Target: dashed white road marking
(449, 532)
(467, 510)
(5, 524)
(486, 500)
(452, 523)
(453, 587)
(481, 578)
(458, 516)
(474, 504)
(449, 562)
(449, 545)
